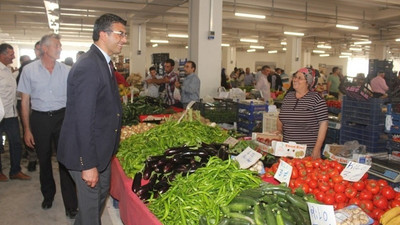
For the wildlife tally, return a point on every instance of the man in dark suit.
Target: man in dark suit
(91, 129)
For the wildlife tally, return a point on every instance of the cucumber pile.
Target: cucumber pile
(268, 204)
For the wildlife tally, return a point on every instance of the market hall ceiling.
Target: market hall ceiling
(378, 21)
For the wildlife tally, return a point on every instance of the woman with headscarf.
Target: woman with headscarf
(304, 115)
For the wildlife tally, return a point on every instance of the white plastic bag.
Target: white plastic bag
(177, 94)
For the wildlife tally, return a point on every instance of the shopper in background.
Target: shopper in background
(37, 50)
(43, 85)
(240, 79)
(190, 89)
(249, 79)
(92, 125)
(78, 55)
(275, 81)
(69, 61)
(378, 85)
(1, 110)
(152, 88)
(10, 123)
(169, 79)
(333, 82)
(234, 77)
(224, 80)
(262, 83)
(303, 117)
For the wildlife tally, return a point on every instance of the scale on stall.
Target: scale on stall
(385, 169)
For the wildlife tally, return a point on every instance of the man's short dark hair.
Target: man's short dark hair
(334, 69)
(193, 64)
(4, 47)
(170, 61)
(265, 67)
(152, 68)
(104, 22)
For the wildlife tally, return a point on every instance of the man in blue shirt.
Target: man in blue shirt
(190, 88)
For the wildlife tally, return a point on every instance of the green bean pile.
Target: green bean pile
(199, 196)
(134, 150)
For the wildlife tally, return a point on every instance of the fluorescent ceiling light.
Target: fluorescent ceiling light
(324, 55)
(283, 43)
(256, 47)
(178, 35)
(251, 50)
(293, 33)
(362, 42)
(355, 49)
(250, 15)
(318, 51)
(248, 40)
(346, 27)
(154, 45)
(398, 39)
(346, 53)
(159, 41)
(324, 46)
(51, 5)
(186, 46)
(284, 49)
(273, 51)
(344, 56)
(225, 45)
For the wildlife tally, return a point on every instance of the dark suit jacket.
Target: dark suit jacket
(91, 128)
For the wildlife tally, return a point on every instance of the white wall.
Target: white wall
(248, 59)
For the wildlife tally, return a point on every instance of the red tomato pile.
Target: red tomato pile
(322, 178)
(334, 103)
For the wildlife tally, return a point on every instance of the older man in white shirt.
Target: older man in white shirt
(10, 123)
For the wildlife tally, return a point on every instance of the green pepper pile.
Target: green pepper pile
(142, 105)
(134, 150)
(199, 197)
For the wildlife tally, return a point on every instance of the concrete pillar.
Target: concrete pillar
(293, 54)
(205, 33)
(307, 59)
(228, 58)
(137, 42)
(381, 51)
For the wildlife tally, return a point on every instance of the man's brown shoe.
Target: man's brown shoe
(20, 176)
(3, 178)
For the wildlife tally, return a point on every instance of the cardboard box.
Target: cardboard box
(333, 151)
(272, 143)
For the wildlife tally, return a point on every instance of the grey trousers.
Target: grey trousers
(91, 201)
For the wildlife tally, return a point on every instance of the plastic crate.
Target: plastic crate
(361, 93)
(332, 136)
(363, 112)
(249, 127)
(334, 110)
(373, 137)
(269, 123)
(252, 110)
(218, 112)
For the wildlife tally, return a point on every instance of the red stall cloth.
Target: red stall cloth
(131, 209)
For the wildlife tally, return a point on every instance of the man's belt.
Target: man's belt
(50, 113)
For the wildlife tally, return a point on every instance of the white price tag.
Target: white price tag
(231, 141)
(284, 172)
(354, 171)
(321, 214)
(247, 158)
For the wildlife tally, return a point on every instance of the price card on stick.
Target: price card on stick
(354, 171)
(231, 141)
(247, 158)
(284, 172)
(321, 214)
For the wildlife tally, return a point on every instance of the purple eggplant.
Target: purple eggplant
(136, 182)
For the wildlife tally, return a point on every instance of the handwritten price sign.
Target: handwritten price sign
(354, 171)
(247, 158)
(321, 214)
(284, 172)
(231, 141)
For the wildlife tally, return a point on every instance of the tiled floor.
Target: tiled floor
(20, 201)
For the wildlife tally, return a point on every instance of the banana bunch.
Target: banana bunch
(123, 90)
(391, 217)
